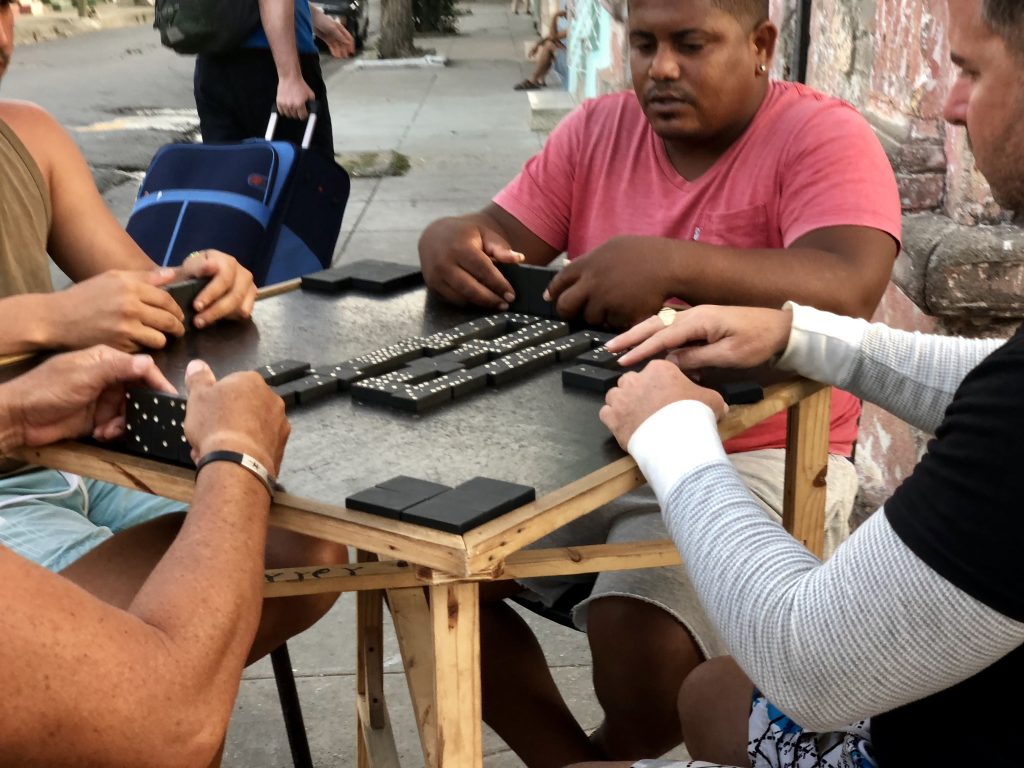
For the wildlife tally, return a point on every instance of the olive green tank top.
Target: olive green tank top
(25, 216)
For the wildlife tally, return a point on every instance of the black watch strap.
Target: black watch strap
(244, 460)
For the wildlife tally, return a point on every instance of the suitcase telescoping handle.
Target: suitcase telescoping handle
(312, 107)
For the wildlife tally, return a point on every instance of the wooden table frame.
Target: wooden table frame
(431, 578)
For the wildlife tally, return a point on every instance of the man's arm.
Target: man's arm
(333, 33)
(117, 299)
(121, 672)
(629, 278)
(458, 254)
(278, 18)
(85, 238)
(871, 629)
(911, 375)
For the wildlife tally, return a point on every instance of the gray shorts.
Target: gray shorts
(636, 517)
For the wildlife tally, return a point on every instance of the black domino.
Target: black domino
(391, 497)
(365, 275)
(591, 377)
(469, 505)
(599, 357)
(184, 294)
(327, 281)
(383, 276)
(155, 426)
(571, 346)
(529, 283)
(422, 397)
(283, 371)
(741, 392)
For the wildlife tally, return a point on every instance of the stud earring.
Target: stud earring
(762, 68)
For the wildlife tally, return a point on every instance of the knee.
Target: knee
(638, 648)
(714, 705)
(625, 630)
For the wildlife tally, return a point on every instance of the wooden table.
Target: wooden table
(533, 432)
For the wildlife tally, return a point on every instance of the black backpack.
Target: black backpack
(205, 26)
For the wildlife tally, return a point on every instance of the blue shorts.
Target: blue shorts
(53, 518)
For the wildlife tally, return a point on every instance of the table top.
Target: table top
(532, 431)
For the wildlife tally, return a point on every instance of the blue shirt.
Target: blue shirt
(303, 31)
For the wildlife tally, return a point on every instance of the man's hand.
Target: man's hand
(334, 35)
(640, 395)
(76, 393)
(615, 285)
(292, 95)
(231, 292)
(124, 309)
(709, 336)
(457, 257)
(238, 413)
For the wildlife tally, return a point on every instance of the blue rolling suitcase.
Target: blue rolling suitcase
(275, 207)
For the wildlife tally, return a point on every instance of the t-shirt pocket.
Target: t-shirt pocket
(743, 228)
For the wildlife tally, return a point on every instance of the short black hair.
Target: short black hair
(1006, 19)
(752, 11)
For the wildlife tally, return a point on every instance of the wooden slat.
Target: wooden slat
(493, 542)
(490, 543)
(278, 288)
(370, 654)
(529, 563)
(410, 614)
(390, 538)
(455, 609)
(377, 745)
(807, 436)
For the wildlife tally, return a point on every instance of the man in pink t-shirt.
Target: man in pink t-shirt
(710, 184)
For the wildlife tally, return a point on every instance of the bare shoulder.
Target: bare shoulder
(39, 131)
(24, 117)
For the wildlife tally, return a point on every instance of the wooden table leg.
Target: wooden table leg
(410, 614)
(455, 609)
(375, 740)
(807, 435)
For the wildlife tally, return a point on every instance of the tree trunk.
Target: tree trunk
(396, 29)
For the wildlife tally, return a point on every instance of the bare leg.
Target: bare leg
(641, 656)
(714, 707)
(520, 699)
(115, 571)
(545, 58)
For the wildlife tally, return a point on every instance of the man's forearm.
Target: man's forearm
(218, 554)
(911, 375)
(179, 648)
(27, 323)
(278, 17)
(700, 273)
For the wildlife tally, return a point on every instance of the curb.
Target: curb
(38, 29)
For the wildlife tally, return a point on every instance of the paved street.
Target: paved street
(466, 133)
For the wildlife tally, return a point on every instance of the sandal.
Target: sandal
(527, 85)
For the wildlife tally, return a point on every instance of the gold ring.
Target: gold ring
(667, 315)
(192, 255)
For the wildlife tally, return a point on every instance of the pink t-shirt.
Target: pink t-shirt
(807, 161)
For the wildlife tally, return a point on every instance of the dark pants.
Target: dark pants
(236, 91)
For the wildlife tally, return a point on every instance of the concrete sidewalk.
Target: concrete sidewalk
(466, 133)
